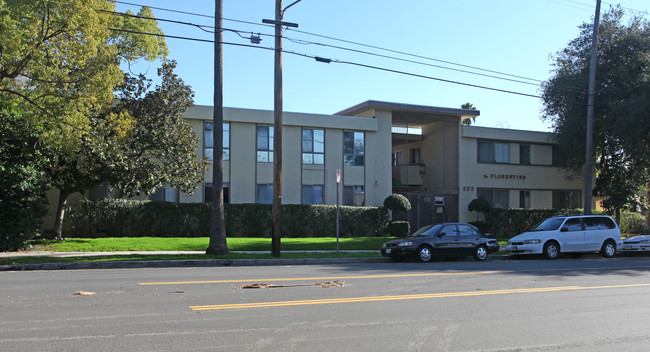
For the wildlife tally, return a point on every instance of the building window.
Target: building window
(353, 195)
(353, 148)
(524, 199)
(313, 146)
(493, 152)
(415, 156)
(264, 193)
(207, 193)
(524, 153)
(264, 144)
(566, 199)
(497, 198)
(165, 194)
(312, 194)
(397, 158)
(208, 140)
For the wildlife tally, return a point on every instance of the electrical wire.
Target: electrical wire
(348, 42)
(304, 42)
(320, 59)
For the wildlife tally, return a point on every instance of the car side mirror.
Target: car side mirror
(564, 229)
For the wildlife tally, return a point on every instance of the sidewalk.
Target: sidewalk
(169, 263)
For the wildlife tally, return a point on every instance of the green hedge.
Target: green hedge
(511, 222)
(130, 218)
(399, 228)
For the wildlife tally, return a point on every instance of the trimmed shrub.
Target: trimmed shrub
(397, 202)
(478, 205)
(399, 228)
(632, 223)
(131, 218)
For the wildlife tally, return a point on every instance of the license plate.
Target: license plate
(387, 250)
(514, 248)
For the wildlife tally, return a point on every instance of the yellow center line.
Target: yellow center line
(405, 297)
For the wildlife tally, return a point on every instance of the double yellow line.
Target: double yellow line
(404, 297)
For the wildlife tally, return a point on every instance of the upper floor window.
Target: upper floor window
(524, 153)
(353, 148)
(264, 144)
(493, 152)
(208, 140)
(313, 146)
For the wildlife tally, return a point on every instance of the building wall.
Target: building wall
(244, 172)
(539, 177)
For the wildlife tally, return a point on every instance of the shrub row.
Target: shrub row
(511, 222)
(131, 218)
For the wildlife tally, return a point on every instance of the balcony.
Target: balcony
(408, 175)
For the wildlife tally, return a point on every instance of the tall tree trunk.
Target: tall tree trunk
(218, 244)
(60, 212)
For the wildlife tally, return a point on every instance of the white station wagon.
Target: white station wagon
(569, 234)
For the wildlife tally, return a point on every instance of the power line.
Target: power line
(303, 42)
(349, 42)
(320, 59)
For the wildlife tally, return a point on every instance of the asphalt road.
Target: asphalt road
(589, 304)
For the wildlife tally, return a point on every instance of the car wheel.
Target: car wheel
(609, 249)
(480, 253)
(424, 254)
(551, 250)
(397, 259)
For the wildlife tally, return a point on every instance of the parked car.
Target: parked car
(442, 240)
(569, 234)
(636, 244)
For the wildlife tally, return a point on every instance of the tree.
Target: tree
(22, 185)
(60, 60)
(468, 106)
(60, 65)
(138, 145)
(622, 106)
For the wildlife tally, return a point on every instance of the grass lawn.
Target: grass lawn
(117, 244)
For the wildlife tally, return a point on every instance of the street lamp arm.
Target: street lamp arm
(286, 8)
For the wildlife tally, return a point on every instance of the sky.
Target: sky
(418, 49)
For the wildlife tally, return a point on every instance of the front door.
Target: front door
(447, 244)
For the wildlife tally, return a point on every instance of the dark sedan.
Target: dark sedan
(442, 240)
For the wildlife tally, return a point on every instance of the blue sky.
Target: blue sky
(516, 37)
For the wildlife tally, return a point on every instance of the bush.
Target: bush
(481, 225)
(397, 202)
(511, 222)
(130, 218)
(399, 228)
(478, 205)
(632, 223)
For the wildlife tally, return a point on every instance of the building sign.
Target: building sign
(504, 176)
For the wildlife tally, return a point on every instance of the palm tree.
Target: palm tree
(468, 106)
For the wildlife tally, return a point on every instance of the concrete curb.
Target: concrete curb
(188, 263)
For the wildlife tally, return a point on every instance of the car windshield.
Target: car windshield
(427, 230)
(548, 224)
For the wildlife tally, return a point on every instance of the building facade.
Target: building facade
(379, 148)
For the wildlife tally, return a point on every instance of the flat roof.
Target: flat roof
(375, 104)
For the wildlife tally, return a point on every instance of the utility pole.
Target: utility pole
(277, 127)
(218, 244)
(590, 115)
